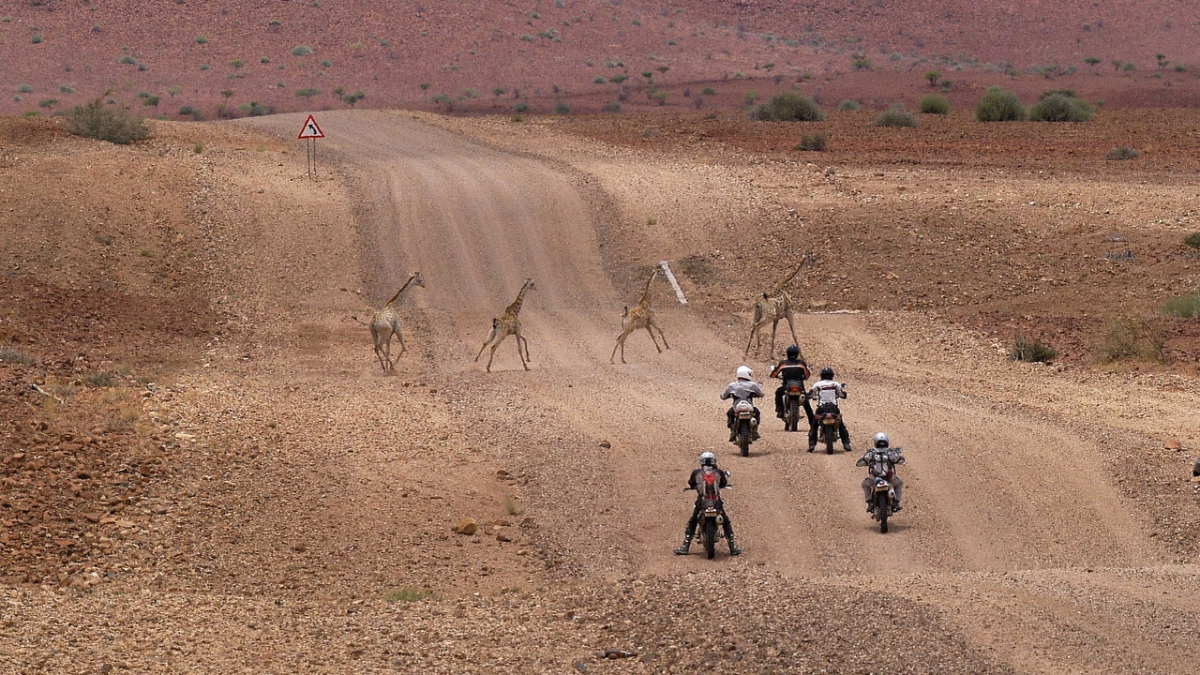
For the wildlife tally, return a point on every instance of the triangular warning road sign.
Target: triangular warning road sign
(311, 130)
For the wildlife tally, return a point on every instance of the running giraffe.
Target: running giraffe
(641, 316)
(775, 306)
(386, 323)
(509, 324)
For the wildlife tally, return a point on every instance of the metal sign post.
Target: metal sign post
(311, 132)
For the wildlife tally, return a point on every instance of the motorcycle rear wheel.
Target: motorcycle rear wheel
(710, 537)
(827, 431)
(791, 418)
(743, 441)
(883, 506)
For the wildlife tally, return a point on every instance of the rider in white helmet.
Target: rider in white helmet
(744, 388)
(882, 461)
(708, 478)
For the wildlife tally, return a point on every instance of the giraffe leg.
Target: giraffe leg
(378, 348)
(493, 354)
(774, 327)
(619, 343)
(400, 337)
(753, 330)
(524, 357)
(522, 340)
(789, 317)
(661, 334)
(652, 338)
(491, 336)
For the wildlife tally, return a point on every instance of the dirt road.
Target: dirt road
(1006, 509)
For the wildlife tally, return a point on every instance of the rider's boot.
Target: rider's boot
(732, 435)
(734, 549)
(895, 505)
(687, 543)
(870, 506)
(846, 447)
(754, 430)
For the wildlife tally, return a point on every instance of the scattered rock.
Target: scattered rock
(605, 444)
(502, 536)
(1173, 444)
(618, 653)
(299, 547)
(467, 526)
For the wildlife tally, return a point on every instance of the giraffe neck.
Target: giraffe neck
(515, 308)
(402, 289)
(646, 292)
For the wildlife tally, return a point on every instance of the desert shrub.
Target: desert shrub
(749, 97)
(599, 79)
(813, 142)
(998, 105)
(66, 89)
(848, 105)
(526, 37)
(561, 108)
(102, 380)
(1187, 307)
(896, 116)
(788, 106)
(1192, 240)
(708, 91)
(106, 123)
(611, 107)
(934, 104)
(1127, 338)
(302, 50)
(1031, 351)
(127, 60)
(521, 107)
(10, 356)
(25, 88)
(201, 40)
(1058, 107)
(307, 92)
(1121, 153)
(36, 39)
(255, 109)
(408, 594)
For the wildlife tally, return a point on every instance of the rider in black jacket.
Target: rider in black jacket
(793, 369)
(708, 478)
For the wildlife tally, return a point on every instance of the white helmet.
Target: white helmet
(708, 459)
(881, 440)
(744, 373)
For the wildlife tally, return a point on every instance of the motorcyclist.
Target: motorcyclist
(791, 370)
(744, 388)
(882, 461)
(826, 393)
(708, 480)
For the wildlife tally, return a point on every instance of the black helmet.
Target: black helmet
(793, 352)
(827, 373)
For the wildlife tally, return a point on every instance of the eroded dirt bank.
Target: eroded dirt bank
(273, 502)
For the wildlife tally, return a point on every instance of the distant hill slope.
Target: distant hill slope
(290, 55)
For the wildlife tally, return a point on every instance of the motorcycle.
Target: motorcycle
(744, 426)
(793, 394)
(883, 493)
(712, 523)
(828, 424)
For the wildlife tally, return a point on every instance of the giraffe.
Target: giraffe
(386, 322)
(509, 324)
(776, 305)
(641, 316)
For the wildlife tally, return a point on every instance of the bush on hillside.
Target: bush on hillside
(789, 106)
(998, 105)
(1187, 307)
(848, 105)
(106, 123)
(934, 104)
(896, 116)
(1031, 351)
(1058, 107)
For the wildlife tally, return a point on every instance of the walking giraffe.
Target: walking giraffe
(641, 316)
(509, 324)
(386, 323)
(775, 306)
